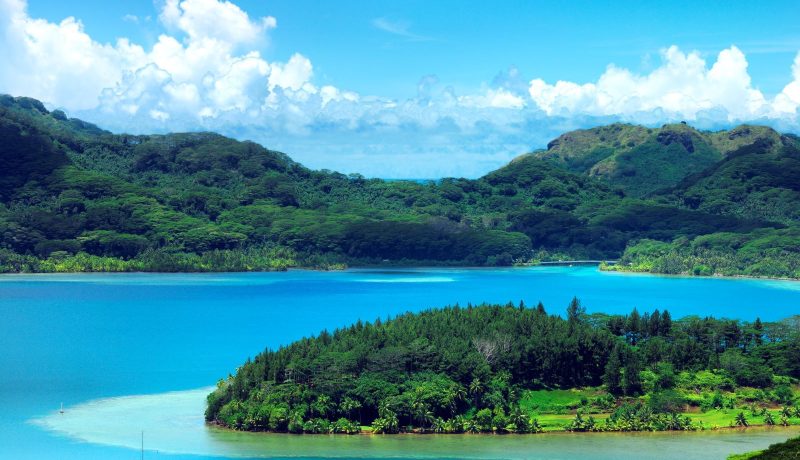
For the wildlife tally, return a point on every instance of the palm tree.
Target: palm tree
(768, 420)
(422, 412)
(741, 420)
(476, 389)
(322, 405)
(460, 393)
(470, 426)
(439, 425)
(519, 419)
(459, 424)
(533, 426)
(349, 405)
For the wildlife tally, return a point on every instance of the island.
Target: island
(517, 369)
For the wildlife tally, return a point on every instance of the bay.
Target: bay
(87, 337)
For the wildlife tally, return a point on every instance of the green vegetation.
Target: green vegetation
(782, 451)
(76, 198)
(514, 369)
(762, 253)
(646, 160)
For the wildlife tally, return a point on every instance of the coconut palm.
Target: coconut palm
(471, 426)
(476, 388)
(350, 405)
(439, 425)
(520, 419)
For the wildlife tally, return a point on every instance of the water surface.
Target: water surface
(79, 338)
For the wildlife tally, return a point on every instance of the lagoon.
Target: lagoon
(93, 340)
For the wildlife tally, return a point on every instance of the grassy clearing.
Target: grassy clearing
(556, 401)
(721, 418)
(556, 408)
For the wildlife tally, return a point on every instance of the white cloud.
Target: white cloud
(58, 62)
(788, 101)
(216, 20)
(206, 71)
(684, 86)
(293, 75)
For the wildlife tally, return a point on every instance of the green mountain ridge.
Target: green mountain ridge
(74, 197)
(644, 160)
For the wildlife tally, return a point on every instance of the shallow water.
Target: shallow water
(77, 338)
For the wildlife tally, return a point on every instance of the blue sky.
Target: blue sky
(411, 88)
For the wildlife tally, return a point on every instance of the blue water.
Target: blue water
(73, 338)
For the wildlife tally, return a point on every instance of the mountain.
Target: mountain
(74, 197)
(644, 160)
(757, 180)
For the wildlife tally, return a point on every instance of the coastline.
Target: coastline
(688, 275)
(371, 267)
(720, 429)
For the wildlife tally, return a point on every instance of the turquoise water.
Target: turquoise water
(98, 338)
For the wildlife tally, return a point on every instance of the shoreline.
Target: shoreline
(719, 429)
(687, 275)
(415, 267)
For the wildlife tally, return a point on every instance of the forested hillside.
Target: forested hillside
(758, 181)
(519, 369)
(74, 197)
(645, 160)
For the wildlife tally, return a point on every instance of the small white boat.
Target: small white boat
(61, 411)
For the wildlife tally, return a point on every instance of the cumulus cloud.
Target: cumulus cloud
(216, 20)
(206, 71)
(58, 62)
(788, 101)
(683, 86)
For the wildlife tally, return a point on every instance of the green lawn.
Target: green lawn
(556, 408)
(555, 401)
(720, 418)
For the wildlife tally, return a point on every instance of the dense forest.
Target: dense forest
(74, 197)
(516, 369)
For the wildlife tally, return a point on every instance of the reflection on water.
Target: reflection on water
(173, 423)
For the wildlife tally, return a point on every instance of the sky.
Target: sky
(404, 89)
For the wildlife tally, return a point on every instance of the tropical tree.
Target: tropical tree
(476, 389)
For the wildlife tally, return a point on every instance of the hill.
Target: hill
(645, 160)
(757, 180)
(74, 197)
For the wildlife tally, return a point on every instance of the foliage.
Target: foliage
(502, 368)
(68, 187)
